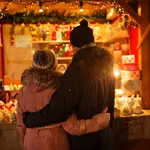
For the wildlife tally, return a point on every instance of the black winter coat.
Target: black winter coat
(87, 87)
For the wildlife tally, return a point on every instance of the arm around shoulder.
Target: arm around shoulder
(62, 103)
(74, 126)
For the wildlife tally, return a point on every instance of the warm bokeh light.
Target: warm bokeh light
(81, 10)
(40, 10)
(116, 73)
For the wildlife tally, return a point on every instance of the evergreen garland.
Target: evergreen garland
(54, 17)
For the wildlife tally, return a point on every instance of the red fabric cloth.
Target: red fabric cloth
(133, 32)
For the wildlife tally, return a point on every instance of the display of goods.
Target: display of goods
(12, 87)
(63, 28)
(130, 74)
(130, 101)
(130, 84)
(62, 67)
(58, 36)
(125, 74)
(129, 67)
(127, 59)
(138, 99)
(54, 35)
(64, 50)
(65, 35)
(1, 116)
(136, 108)
(125, 48)
(116, 111)
(8, 111)
(128, 105)
(126, 110)
(135, 74)
(98, 32)
(120, 101)
(117, 46)
(62, 33)
(117, 55)
(119, 92)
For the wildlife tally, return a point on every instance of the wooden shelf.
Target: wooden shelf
(115, 39)
(50, 42)
(67, 42)
(64, 58)
(55, 42)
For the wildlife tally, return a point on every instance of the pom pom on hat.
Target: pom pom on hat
(44, 59)
(84, 23)
(81, 35)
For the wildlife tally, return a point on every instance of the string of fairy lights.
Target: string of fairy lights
(43, 6)
(46, 4)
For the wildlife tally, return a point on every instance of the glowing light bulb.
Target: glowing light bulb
(40, 10)
(81, 10)
(116, 73)
(81, 6)
(40, 5)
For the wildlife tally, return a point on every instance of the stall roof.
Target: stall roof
(49, 0)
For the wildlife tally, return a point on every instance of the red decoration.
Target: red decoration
(130, 67)
(133, 31)
(12, 40)
(54, 36)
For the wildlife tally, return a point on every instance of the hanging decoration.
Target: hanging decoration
(128, 19)
(53, 17)
(12, 34)
(40, 11)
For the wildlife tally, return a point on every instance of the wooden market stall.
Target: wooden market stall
(143, 18)
(22, 33)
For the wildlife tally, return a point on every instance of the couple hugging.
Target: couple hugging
(73, 111)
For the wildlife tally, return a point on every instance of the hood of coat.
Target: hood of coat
(43, 78)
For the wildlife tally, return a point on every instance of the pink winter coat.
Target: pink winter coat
(54, 138)
(39, 85)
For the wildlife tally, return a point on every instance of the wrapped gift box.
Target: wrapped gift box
(129, 67)
(135, 74)
(130, 74)
(127, 59)
(62, 32)
(125, 74)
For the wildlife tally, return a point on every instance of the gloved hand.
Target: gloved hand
(98, 122)
(79, 127)
(103, 118)
(25, 116)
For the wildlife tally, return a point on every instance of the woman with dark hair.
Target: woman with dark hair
(87, 87)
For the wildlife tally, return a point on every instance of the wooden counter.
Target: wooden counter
(129, 132)
(9, 139)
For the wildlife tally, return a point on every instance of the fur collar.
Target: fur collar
(41, 77)
(97, 61)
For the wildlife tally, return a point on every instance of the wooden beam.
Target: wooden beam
(145, 34)
(130, 11)
(144, 53)
(1, 54)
